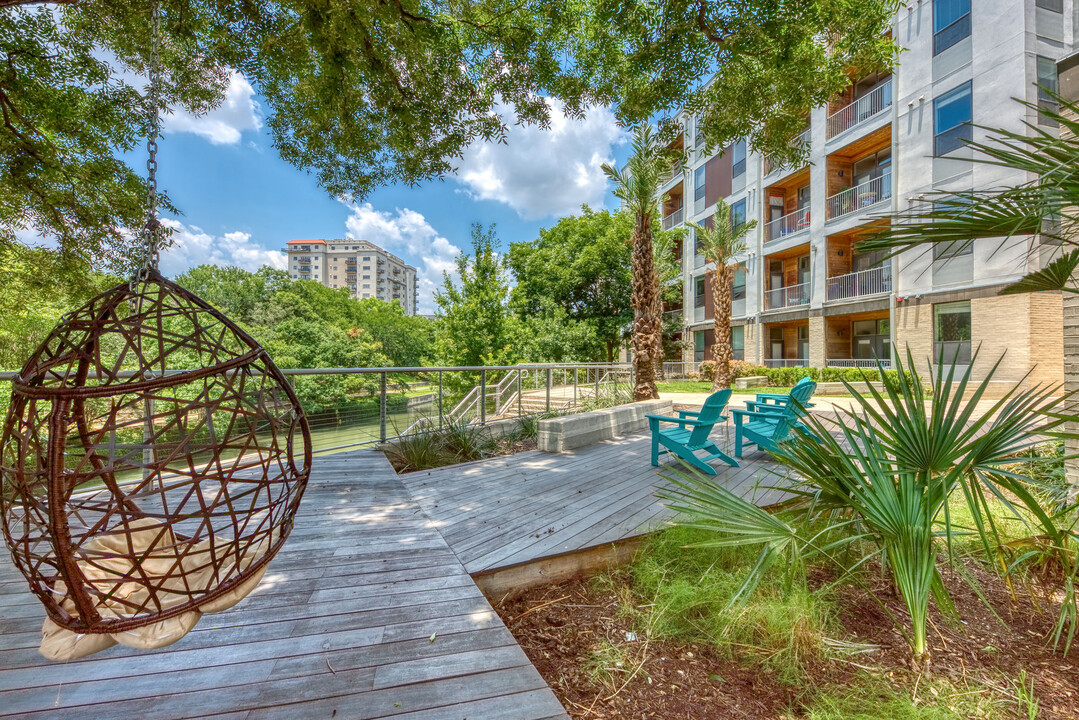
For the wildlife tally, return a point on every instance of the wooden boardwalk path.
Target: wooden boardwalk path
(341, 626)
(505, 511)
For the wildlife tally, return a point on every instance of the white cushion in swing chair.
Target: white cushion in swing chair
(106, 559)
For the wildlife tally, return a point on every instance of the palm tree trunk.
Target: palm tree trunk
(658, 312)
(722, 280)
(645, 323)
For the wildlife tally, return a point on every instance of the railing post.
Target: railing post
(548, 389)
(519, 371)
(574, 387)
(382, 407)
(483, 397)
(439, 399)
(597, 382)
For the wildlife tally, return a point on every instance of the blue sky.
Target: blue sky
(241, 203)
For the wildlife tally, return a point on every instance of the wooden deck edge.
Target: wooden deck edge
(497, 584)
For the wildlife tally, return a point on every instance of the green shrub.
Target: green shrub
(468, 442)
(419, 451)
(708, 371)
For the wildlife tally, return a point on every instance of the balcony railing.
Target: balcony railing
(675, 218)
(864, 108)
(785, 362)
(799, 142)
(790, 296)
(859, 197)
(861, 363)
(864, 282)
(676, 171)
(789, 224)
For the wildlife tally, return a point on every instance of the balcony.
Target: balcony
(863, 364)
(785, 297)
(859, 197)
(873, 281)
(801, 141)
(786, 362)
(675, 218)
(861, 110)
(790, 224)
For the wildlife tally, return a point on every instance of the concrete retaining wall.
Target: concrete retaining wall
(573, 431)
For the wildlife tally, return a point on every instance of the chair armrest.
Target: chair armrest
(772, 398)
(684, 413)
(762, 407)
(739, 414)
(677, 421)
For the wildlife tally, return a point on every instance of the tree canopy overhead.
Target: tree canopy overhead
(365, 94)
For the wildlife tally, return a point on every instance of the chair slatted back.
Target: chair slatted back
(800, 396)
(710, 413)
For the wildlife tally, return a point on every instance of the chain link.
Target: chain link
(151, 232)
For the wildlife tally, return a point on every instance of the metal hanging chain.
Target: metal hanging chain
(151, 232)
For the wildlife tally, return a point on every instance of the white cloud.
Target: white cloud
(541, 172)
(192, 246)
(406, 232)
(225, 124)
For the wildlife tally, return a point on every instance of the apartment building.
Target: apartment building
(804, 294)
(365, 269)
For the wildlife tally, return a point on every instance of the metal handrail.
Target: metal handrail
(872, 281)
(859, 197)
(788, 296)
(858, 363)
(675, 218)
(789, 224)
(861, 109)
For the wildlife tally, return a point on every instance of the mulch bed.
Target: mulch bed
(559, 625)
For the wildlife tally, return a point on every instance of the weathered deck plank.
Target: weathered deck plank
(516, 509)
(341, 625)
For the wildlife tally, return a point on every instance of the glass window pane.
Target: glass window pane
(952, 322)
(946, 12)
(738, 338)
(864, 327)
(738, 214)
(952, 109)
(1054, 5)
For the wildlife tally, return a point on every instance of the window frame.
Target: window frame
(952, 138)
(961, 355)
(738, 166)
(1056, 6)
(738, 214)
(1045, 100)
(954, 32)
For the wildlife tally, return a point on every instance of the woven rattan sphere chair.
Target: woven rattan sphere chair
(152, 461)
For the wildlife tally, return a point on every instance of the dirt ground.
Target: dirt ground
(558, 626)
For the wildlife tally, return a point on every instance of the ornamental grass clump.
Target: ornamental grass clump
(884, 476)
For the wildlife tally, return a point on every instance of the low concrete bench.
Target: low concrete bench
(837, 388)
(749, 381)
(573, 431)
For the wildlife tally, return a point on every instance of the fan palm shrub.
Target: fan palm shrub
(883, 476)
(720, 243)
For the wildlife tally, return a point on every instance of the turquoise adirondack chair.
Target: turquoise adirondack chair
(692, 433)
(767, 428)
(770, 401)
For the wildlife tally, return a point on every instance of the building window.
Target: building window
(952, 114)
(951, 23)
(738, 214)
(951, 333)
(1047, 83)
(698, 189)
(738, 342)
(738, 158)
(738, 291)
(698, 292)
(944, 251)
(871, 339)
(1053, 5)
(698, 346)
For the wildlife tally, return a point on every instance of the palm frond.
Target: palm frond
(1057, 275)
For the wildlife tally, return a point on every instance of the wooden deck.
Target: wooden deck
(505, 511)
(341, 627)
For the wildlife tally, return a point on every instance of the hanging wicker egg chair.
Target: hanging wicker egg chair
(152, 461)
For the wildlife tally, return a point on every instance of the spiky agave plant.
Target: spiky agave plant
(885, 472)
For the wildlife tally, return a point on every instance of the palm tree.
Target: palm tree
(637, 186)
(720, 243)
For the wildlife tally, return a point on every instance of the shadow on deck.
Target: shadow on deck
(369, 611)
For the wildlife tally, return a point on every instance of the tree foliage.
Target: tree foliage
(582, 265)
(473, 324)
(365, 94)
